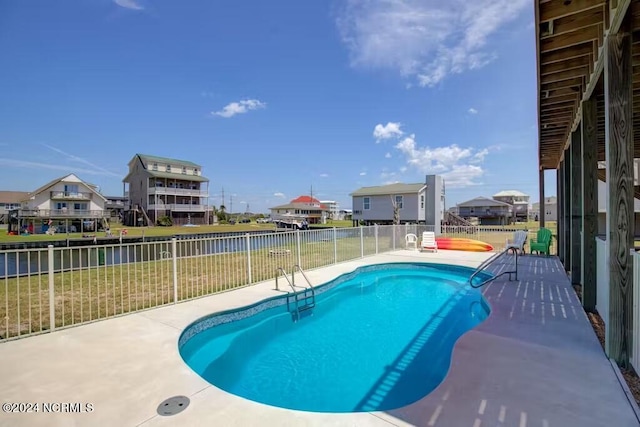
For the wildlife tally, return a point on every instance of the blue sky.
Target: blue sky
(272, 98)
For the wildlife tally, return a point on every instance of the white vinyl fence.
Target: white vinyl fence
(45, 289)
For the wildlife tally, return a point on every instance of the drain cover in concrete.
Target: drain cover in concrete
(173, 405)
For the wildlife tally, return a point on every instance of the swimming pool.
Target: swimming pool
(378, 338)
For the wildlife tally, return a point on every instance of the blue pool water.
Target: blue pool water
(378, 339)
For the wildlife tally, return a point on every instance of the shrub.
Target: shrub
(164, 221)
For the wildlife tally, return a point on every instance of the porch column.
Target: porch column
(558, 214)
(541, 204)
(566, 211)
(620, 215)
(589, 203)
(576, 206)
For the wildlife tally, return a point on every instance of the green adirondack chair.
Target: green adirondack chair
(542, 243)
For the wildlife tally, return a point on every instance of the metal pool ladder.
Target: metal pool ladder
(300, 302)
(491, 261)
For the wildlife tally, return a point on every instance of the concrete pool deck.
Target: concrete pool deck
(534, 362)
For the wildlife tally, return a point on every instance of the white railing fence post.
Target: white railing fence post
(376, 235)
(361, 242)
(52, 299)
(393, 233)
(248, 237)
(298, 247)
(174, 262)
(335, 246)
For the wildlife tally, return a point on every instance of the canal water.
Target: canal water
(35, 261)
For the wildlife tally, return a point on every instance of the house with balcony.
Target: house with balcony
(518, 200)
(67, 203)
(160, 187)
(487, 211)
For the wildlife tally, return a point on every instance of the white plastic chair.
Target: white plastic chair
(519, 239)
(429, 241)
(411, 241)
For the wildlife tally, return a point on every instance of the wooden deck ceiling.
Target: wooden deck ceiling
(570, 36)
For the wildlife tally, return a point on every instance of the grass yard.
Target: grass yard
(102, 291)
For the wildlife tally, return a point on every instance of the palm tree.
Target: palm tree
(221, 212)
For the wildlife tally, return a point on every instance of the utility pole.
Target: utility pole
(222, 196)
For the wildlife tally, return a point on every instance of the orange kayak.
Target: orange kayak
(463, 244)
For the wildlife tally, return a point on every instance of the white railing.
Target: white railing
(178, 191)
(178, 207)
(45, 289)
(602, 283)
(635, 340)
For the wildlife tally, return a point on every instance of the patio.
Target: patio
(535, 362)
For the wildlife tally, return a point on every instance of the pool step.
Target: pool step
(303, 303)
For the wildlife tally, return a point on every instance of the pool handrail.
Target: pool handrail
(297, 267)
(488, 262)
(284, 273)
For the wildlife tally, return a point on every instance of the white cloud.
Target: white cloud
(324, 175)
(363, 173)
(460, 167)
(239, 107)
(387, 156)
(423, 39)
(128, 4)
(473, 111)
(403, 169)
(390, 130)
(281, 195)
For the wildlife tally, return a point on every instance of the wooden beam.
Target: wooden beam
(576, 207)
(545, 102)
(581, 61)
(556, 9)
(575, 84)
(570, 39)
(576, 21)
(567, 54)
(620, 215)
(564, 75)
(589, 204)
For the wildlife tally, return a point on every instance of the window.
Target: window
(61, 205)
(195, 171)
(422, 201)
(71, 189)
(80, 206)
(367, 203)
(184, 170)
(168, 168)
(399, 202)
(155, 167)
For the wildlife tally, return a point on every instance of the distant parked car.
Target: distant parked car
(244, 220)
